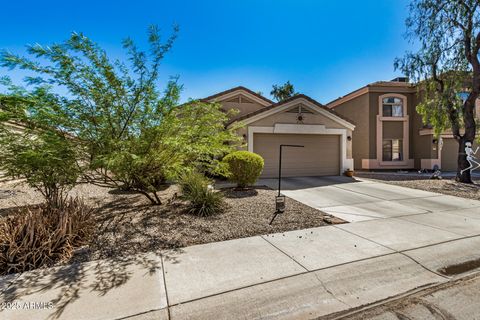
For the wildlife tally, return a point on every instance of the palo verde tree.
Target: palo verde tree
(446, 67)
(282, 92)
(129, 131)
(32, 150)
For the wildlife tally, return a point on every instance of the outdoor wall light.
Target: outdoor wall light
(300, 118)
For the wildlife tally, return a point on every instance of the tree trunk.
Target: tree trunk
(462, 163)
(152, 200)
(468, 136)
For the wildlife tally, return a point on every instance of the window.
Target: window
(392, 150)
(392, 107)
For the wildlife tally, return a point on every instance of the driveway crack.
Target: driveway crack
(330, 292)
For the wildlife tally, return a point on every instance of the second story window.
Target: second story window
(392, 107)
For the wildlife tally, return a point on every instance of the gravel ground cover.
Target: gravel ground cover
(446, 186)
(127, 224)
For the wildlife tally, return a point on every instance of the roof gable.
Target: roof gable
(291, 103)
(232, 93)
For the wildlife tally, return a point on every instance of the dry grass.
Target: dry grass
(40, 236)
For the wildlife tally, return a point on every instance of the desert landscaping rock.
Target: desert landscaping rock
(127, 224)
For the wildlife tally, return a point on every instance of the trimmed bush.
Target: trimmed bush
(203, 200)
(244, 167)
(41, 236)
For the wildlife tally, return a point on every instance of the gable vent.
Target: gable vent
(245, 100)
(299, 109)
(234, 99)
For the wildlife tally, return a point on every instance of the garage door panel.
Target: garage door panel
(320, 155)
(450, 154)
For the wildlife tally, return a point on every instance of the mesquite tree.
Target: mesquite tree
(127, 130)
(42, 155)
(446, 67)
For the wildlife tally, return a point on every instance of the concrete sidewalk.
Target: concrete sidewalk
(301, 274)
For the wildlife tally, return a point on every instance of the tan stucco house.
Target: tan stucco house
(325, 135)
(389, 133)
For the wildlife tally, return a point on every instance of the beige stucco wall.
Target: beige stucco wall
(291, 118)
(422, 145)
(393, 130)
(241, 106)
(357, 109)
(364, 110)
(287, 117)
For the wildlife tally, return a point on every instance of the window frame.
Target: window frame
(391, 106)
(399, 147)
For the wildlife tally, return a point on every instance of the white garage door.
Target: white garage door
(319, 157)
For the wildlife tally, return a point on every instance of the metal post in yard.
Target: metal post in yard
(280, 200)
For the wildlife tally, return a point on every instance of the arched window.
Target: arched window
(392, 107)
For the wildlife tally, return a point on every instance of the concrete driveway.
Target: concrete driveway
(354, 199)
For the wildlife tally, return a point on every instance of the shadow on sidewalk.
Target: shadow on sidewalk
(64, 285)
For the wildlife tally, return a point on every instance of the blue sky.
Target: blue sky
(325, 48)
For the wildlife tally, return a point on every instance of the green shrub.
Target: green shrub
(46, 159)
(203, 200)
(244, 167)
(41, 236)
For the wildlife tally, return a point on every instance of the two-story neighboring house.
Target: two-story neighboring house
(389, 132)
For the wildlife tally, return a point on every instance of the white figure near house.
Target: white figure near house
(470, 157)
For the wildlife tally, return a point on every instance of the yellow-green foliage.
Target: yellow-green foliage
(203, 200)
(244, 167)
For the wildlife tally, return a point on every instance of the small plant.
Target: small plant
(349, 173)
(203, 200)
(41, 236)
(244, 167)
